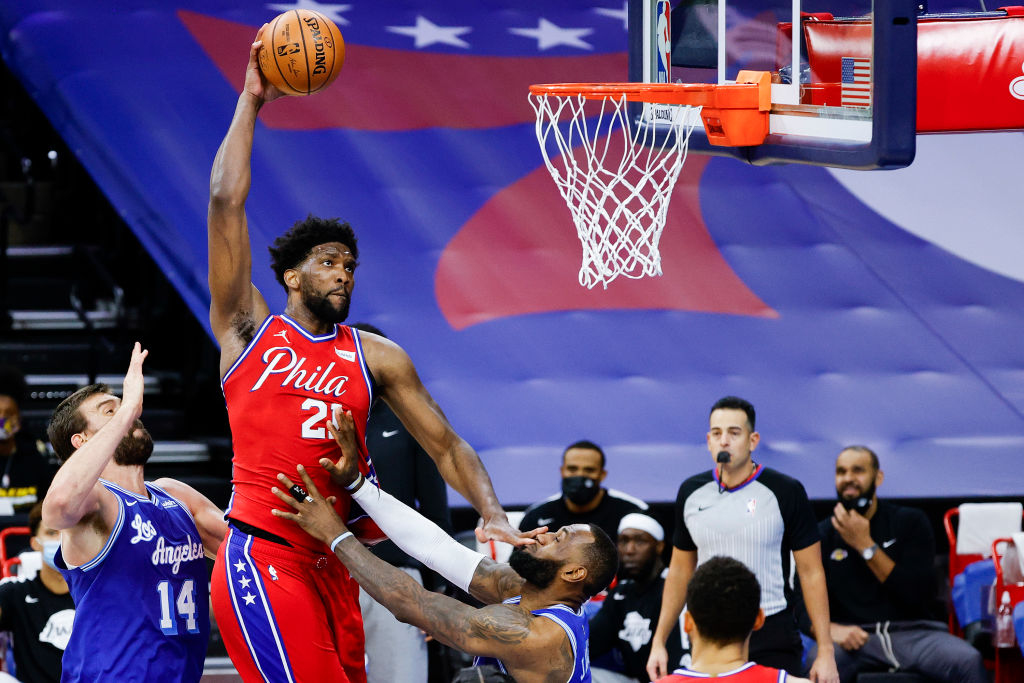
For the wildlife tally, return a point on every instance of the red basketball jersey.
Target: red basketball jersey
(748, 673)
(280, 395)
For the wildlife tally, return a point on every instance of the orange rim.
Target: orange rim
(734, 114)
(752, 90)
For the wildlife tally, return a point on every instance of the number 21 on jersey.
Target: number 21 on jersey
(313, 428)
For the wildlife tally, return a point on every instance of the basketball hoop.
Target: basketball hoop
(617, 177)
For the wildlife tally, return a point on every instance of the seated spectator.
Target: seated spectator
(723, 607)
(583, 500)
(629, 615)
(878, 561)
(25, 469)
(39, 611)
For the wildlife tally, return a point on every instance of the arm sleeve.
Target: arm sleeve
(418, 536)
(912, 580)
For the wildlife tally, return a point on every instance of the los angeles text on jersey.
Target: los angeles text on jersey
(282, 360)
(173, 554)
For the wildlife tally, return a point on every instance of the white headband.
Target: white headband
(635, 520)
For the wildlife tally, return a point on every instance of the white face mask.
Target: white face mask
(50, 552)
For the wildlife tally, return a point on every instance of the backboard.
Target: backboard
(843, 84)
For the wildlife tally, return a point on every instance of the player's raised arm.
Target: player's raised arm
(75, 492)
(458, 463)
(233, 299)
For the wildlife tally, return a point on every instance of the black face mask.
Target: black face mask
(860, 503)
(580, 490)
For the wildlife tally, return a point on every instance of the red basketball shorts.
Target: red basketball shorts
(287, 615)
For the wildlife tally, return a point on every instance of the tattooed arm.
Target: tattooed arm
(524, 643)
(532, 648)
(494, 581)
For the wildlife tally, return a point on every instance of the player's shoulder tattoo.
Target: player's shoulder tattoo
(497, 577)
(506, 624)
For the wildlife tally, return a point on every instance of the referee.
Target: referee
(746, 511)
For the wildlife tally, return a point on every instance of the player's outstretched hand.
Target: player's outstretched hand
(499, 529)
(309, 509)
(255, 83)
(134, 383)
(343, 429)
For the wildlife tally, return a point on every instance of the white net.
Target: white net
(616, 177)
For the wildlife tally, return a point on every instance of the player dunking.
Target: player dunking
(282, 375)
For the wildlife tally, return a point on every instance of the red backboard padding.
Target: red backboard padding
(970, 71)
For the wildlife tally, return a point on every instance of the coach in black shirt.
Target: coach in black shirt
(583, 500)
(878, 563)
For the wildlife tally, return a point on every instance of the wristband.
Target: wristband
(339, 539)
(355, 484)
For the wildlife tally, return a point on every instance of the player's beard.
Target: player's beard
(320, 305)
(135, 448)
(868, 493)
(537, 571)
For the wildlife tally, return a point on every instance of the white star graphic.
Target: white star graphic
(427, 33)
(245, 581)
(549, 35)
(249, 598)
(239, 566)
(615, 14)
(326, 9)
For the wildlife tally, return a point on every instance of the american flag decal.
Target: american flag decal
(856, 82)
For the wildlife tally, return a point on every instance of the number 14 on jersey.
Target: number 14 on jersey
(181, 605)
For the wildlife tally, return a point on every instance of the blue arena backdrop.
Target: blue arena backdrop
(884, 308)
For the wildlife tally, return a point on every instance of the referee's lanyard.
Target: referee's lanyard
(722, 488)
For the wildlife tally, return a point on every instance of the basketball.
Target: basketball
(302, 52)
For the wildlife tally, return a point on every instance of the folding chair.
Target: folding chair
(9, 566)
(10, 533)
(1009, 665)
(978, 525)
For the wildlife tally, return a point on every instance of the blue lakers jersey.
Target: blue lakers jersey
(142, 604)
(576, 627)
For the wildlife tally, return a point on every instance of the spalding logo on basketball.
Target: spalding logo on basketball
(302, 52)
